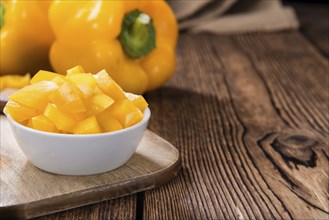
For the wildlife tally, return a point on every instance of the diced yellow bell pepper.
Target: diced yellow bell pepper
(35, 95)
(87, 126)
(20, 112)
(79, 103)
(59, 80)
(76, 69)
(67, 98)
(14, 81)
(80, 116)
(44, 75)
(29, 124)
(98, 90)
(137, 100)
(133, 117)
(98, 103)
(63, 121)
(42, 123)
(109, 86)
(107, 122)
(125, 112)
(85, 82)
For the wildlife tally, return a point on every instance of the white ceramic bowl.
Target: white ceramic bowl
(88, 154)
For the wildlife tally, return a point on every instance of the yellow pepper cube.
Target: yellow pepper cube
(126, 113)
(133, 118)
(98, 103)
(42, 123)
(59, 80)
(63, 121)
(67, 98)
(109, 86)
(43, 75)
(29, 124)
(80, 116)
(20, 112)
(87, 126)
(137, 100)
(84, 81)
(35, 95)
(14, 81)
(107, 122)
(98, 90)
(74, 70)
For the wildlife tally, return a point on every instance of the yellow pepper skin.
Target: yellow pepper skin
(25, 36)
(88, 34)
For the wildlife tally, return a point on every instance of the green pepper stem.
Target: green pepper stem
(140, 28)
(137, 35)
(2, 14)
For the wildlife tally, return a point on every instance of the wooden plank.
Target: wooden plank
(293, 136)
(121, 208)
(26, 191)
(249, 115)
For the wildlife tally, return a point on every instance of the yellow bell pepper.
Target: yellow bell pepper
(134, 41)
(20, 112)
(25, 36)
(35, 95)
(42, 123)
(62, 120)
(89, 125)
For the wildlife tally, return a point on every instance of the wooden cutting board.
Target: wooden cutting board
(27, 191)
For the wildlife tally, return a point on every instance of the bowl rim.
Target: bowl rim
(146, 113)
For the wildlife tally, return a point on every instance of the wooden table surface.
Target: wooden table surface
(249, 115)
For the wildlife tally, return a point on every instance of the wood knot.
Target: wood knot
(296, 148)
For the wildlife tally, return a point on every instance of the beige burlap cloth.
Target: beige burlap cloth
(233, 16)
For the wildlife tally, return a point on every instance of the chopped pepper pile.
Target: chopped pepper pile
(78, 103)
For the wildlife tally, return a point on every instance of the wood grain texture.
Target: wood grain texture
(249, 115)
(120, 208)
(26, 191)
